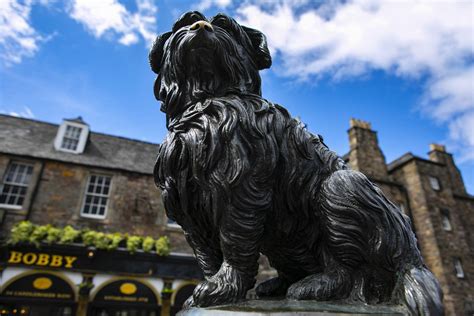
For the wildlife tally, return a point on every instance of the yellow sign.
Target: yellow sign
(42, 283)
(128, 288)
(41, 259)
(64, 296)
(126, 298)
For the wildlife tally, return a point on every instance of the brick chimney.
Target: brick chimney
(439, 154)
(365, 154)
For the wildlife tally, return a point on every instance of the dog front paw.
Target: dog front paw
(211, 294)
(188, 303)
(225, 287)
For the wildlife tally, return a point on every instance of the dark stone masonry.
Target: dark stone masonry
(430, 191)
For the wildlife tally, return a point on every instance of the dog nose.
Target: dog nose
(202, 25)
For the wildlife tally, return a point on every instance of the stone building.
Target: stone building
(432, 193)
(69, 175)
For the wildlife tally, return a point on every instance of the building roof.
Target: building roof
(77, 120)
(407, 158)
(32, 138)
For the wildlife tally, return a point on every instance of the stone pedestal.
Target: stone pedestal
(289, 307)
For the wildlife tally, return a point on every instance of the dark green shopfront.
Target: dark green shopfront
(68, 280)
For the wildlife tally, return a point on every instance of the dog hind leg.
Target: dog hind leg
(347, 227)
(334, 283)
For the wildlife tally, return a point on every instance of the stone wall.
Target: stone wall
(134, 206)
(365, 154)
(407, 183)
(451, 243)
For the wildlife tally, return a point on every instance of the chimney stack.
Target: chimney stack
(365, 154)
(439, 154)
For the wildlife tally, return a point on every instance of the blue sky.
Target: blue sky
(407, 67)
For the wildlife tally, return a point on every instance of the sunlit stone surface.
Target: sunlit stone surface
(292, 307)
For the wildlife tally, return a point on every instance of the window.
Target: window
(458, 268)
(96, 196)
(434, 182)
(445, 221)
(15, 184)
(71, 137)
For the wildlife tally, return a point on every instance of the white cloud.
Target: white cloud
(410, 39)
(111, 17)
(25, 112)
(18, 39)
(462, 130)
(206, 4)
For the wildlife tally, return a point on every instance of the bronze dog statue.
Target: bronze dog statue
(242, 177)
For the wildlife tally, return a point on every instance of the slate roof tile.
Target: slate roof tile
(32, 138)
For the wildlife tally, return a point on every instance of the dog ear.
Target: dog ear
(157, 50)
(259, 42)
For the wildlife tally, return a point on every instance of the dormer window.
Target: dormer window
(72, 136)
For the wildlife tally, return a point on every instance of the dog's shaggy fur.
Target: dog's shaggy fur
(242, 178)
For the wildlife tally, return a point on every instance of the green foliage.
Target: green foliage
(69, 235)
(134, 243)
(102, 241)
(38, 234)
(148, 244)
(89, 237)
(167, 290)
(53, 235)
(115, 239)
(162, 246)
(21, 232)
(25, 231)
(85, 285)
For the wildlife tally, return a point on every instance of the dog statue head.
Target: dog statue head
(199, 59)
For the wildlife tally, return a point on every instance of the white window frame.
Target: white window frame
(446, 220)
(458, 268)
(434, 183)
(27, 165)
(86, 193)
(58, 141)
(67, 137)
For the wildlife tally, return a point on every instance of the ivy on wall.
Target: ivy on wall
(27, 232)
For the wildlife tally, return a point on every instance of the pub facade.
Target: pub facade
(60, 177)
(76, 280)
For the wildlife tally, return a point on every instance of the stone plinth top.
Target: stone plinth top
(291, 307)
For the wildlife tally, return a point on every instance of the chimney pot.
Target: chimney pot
(359, 123)
(438, 147)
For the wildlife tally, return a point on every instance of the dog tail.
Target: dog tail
(421, 292)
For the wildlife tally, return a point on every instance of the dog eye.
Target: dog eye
(221, 21)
